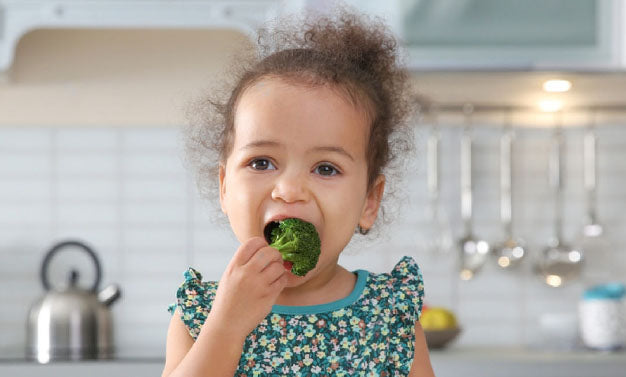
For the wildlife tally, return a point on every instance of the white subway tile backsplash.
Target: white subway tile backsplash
(25, 213)
(126, 193)
(20, 239)
(162, 240)
(490, 310)
(154, 188)
(24, 164)
(160, 139)
(153, 263)
(488, 334)
(86, 164)
(16, 139)
(159, 164)
(207, 217)
(355, 258)
(211, 263)
(154, 213)
(25, 189)
(101, 214)
(489, 282)
(10, 338)
(87, 189)
(131, 337)
(24, 288)
(87, 139)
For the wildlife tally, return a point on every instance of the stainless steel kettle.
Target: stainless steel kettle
(74, 323)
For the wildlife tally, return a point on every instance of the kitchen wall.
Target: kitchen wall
(89, 149)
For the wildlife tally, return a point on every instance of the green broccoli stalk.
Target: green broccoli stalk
(298, 243)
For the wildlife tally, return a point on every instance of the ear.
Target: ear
(372, 203)
(222, 176)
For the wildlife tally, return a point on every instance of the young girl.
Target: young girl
(305, 133)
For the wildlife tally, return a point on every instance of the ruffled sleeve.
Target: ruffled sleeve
(408, 296)
(409, 287)
(193, 300)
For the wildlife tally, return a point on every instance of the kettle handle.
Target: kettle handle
(55, 249)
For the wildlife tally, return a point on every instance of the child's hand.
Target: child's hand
(249, 287)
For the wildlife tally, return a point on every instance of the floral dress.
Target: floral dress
(368, 333)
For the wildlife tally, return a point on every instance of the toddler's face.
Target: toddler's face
(299, 152)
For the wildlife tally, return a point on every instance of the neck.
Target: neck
(331, 284)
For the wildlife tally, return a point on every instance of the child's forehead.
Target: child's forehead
(303, 84)
(304, 117)
(286, 106)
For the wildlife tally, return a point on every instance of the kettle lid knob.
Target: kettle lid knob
(73, 278)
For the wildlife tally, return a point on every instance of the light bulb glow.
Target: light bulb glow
(504, 262)
(550, 106)
(574, 256)
(554, 280)
(557, 86)
(466, 274)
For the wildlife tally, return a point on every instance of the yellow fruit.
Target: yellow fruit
(435, 318)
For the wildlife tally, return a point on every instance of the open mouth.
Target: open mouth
(267, 231)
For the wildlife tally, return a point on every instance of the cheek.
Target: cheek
(242, 200)
(343, 211)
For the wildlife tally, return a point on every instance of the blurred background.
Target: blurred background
(92, 96)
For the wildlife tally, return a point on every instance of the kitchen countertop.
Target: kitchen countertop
(525, 362)
(467, 362)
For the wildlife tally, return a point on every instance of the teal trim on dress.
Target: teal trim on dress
(328, 307)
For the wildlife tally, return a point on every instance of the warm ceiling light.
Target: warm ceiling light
(466, 274)
(550, 106)
(554, 280)
(554, 86)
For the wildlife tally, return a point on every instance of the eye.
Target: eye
(327, 170)
(261, 164)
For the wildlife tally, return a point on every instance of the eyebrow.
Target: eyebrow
(271, 143)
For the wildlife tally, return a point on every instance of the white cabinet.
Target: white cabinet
(507, 34)
(569, 35)
(18, 17)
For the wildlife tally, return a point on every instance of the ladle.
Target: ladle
(440, 237)
(593, 238)
(474, 251)
(592, 227)
(510, 252)
(558, 262)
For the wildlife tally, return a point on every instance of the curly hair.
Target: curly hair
(353, 53)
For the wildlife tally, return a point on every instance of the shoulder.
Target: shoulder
(402, 287)
(193, 300)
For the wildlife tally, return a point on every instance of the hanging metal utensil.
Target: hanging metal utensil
(509, 253)
(593, 240)
(559, 262)
(592, 227)
(473, 250)
(440, 238)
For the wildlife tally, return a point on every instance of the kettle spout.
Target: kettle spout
(109, 294)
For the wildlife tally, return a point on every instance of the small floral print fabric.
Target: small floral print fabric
(369, 333)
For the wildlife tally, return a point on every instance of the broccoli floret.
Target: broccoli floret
(298, 242)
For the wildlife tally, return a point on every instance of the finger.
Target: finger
(273, 271)
(264, 257)
(279, 284)
(248, 249)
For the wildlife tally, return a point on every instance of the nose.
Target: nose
(291, 187)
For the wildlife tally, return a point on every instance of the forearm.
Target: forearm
(216, 352)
